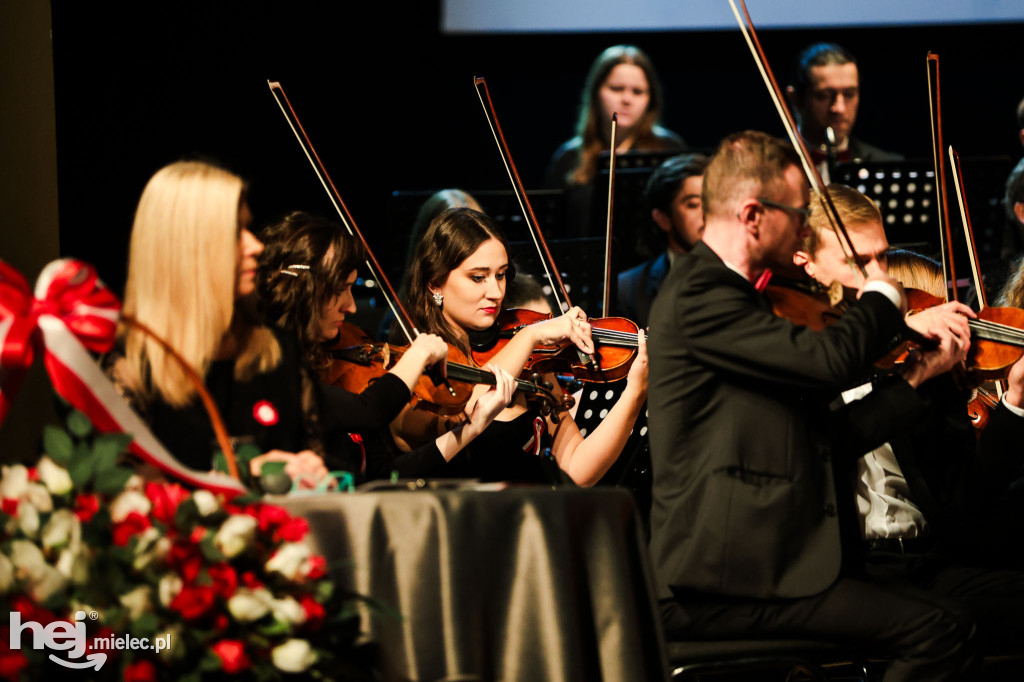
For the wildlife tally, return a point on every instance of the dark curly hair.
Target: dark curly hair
(453, 236)
(291, 295)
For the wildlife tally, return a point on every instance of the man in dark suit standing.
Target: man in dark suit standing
(745, 519)
(673, 195)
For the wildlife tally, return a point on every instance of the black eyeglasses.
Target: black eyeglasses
(804, 213)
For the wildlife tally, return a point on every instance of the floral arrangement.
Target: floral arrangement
(227, 585)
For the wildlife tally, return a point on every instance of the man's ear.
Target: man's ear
(749, 214)
(1018, 209)
(802, 260)
(661, 219)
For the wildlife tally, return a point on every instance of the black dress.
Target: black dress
(505, 452)
(283, 409)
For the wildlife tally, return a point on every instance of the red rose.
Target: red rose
(197, 535)
(9, 506)
(314, 612)
(185, 558)
(12, 662)
(231, 653)
(270, 517)
(86, 505)
(193, 602)
(140, 671)
(317, 567)
(250, 580)
(292, 530)
(165, 498)
(29, 611)
(225, 579)
(33, 474)
(134, 524)
(220, 622)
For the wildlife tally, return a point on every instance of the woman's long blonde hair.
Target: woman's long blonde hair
(181, 282)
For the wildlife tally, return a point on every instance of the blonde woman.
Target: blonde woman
(191, 271)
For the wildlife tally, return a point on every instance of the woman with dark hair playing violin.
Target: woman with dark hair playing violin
(304, 282)
(456, 287)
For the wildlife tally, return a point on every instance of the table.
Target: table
(525, 583)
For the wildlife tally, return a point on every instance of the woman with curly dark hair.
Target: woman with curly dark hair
(304, 284)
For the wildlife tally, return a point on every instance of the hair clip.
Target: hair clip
(288, 269)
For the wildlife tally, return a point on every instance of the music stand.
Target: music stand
(905, 193)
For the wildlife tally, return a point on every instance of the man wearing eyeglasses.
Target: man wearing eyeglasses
(825, 94)
(745, 520)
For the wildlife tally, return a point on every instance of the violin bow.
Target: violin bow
(972, 250)
(941, 191)
(606, 299)
(789, 123)
(399, 311)
(547, 261)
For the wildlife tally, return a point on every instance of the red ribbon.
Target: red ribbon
(71, 311)
(68, 290)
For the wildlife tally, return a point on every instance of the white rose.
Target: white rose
(248, 605)
(170, 586)
(26, 557)
(294, 656)
(38, 496)
(235, 535)
(47, 582)
(152, 546)
(139, 601)
(74, 565)
(127, 502)
(205, 502)
(14, 482)
(6, 574)
(62, 530)
(55, 477)
(28, 519)
(171, 636)
(290, 560)
(134, 482)
(289, 611)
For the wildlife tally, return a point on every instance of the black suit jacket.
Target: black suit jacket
(638, 286)
(744, 499)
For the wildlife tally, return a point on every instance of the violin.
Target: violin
(358, 361)
(615, 340)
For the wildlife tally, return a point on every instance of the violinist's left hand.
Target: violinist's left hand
(1015, 393)
(636, 380)
(951, 317)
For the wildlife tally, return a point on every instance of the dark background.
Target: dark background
(388, 101)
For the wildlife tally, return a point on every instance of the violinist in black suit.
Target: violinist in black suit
(745, 523)
(673, 195)
(924, 497)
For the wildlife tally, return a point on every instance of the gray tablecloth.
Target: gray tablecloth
(526, 583)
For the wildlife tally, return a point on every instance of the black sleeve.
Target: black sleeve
(383, 457)
(373, 409)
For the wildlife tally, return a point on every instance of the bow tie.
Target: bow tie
(818, 156)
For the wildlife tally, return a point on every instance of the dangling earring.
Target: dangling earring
(438, 298)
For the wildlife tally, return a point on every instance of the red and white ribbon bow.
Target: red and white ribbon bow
(71, 313)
